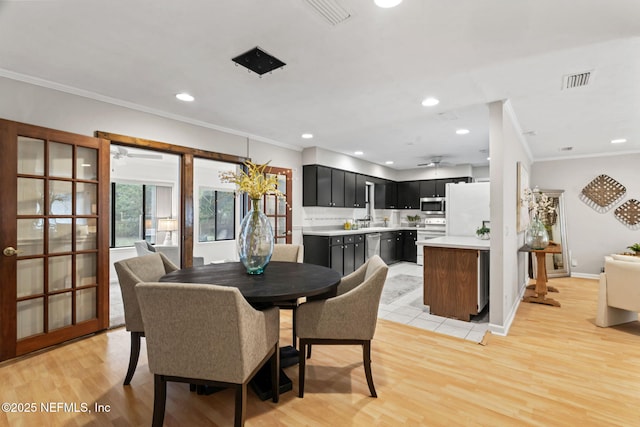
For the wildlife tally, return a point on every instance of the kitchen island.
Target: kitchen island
(456, 275)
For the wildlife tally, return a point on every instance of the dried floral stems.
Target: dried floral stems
(254, 182)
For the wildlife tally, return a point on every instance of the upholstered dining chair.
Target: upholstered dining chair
(289, 253)
(348, 318)
(147, 268)
(215, 338)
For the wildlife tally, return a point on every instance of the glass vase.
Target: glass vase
(536, 236)
(255, 241)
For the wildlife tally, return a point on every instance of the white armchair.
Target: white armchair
(619, 294)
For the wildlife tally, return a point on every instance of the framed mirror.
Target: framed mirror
(558, 265)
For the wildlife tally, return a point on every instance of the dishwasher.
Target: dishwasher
(373, 244)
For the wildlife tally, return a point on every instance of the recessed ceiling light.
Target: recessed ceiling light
(430, 102)
(307, 135)
(184, 97)
(388, 162)
(387, 3)
(462, 131)
(488, 158)
(358, 153)
(618, 141)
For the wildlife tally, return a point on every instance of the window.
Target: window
(135, 210)
(216, 215)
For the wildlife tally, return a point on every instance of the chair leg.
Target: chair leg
(366, 355)
(133, 357)
(293, 328)
(275, 374)
(159, 400)
(308, 351)
(301, 368)
(241, 404)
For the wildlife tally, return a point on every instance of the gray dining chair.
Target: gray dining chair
(147, 268)
(289, 253)
(348, 318)
(214, 338)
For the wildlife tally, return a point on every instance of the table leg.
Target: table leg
(541, 284)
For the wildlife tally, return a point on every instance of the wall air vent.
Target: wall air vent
(571, 81)
(330, 10)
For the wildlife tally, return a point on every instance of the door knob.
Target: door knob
(10, 251)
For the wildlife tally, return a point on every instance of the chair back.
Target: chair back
(289, 253)
(143, 248)
(204, 331)
(133, 271)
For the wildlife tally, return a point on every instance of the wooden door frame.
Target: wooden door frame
(289, 197)
(186, 185)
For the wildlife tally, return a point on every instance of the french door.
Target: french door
(279, 212)
(53, 237)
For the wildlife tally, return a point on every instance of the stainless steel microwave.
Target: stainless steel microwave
(433, 205)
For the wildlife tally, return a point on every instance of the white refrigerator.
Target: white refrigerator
(467, 207)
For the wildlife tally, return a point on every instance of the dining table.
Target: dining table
(281, 283)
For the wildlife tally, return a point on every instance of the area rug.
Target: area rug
(397, 286)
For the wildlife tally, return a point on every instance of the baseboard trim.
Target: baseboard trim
(586, 276)
(503, 330)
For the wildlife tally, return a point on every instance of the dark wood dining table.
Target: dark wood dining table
(282, 283)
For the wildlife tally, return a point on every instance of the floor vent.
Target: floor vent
(571, 81)
(330, 10)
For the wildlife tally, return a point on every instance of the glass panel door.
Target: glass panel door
(278, 210)
(53, 290)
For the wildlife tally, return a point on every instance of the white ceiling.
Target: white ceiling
(357, 85)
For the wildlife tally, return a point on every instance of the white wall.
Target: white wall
(508, 266)
(591, 235)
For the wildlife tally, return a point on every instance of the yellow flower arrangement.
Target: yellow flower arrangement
(254, 182)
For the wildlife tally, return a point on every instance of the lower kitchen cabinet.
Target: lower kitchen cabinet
(409, 248)
(388, 247)
(343, 254)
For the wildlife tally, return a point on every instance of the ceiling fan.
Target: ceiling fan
(121, 153)
(435, 161)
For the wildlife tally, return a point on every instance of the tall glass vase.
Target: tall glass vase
(255, 241)
(536, 236)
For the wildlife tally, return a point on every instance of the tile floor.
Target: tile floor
(409, 310)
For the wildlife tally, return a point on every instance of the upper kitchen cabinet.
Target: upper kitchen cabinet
(386, 195)
(428, 188)
(437, 187)
(322, 186)
(409, 195)
(355, 187)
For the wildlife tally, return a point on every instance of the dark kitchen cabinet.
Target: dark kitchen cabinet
(399, 245)
(428, 188)
(437, 187)
(388, 247)
(386, 195)
(409, 248)
(322, 186)
(355, 187)
(409, 195)
(343, 254)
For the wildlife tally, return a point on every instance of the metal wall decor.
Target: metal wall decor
(602, 193)
(628, 213)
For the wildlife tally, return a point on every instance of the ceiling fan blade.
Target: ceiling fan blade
(145, 156)
(426, 164)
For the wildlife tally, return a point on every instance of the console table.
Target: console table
(540, 288)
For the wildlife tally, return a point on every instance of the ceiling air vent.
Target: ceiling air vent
(330, 10)
(571, 81)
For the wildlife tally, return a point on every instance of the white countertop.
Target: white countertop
(458, 242)
(339, 232)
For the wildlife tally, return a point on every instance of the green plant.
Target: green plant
(635, 247)
(483, 230)
(413, 218)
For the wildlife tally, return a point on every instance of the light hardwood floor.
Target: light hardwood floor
(556, 368)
